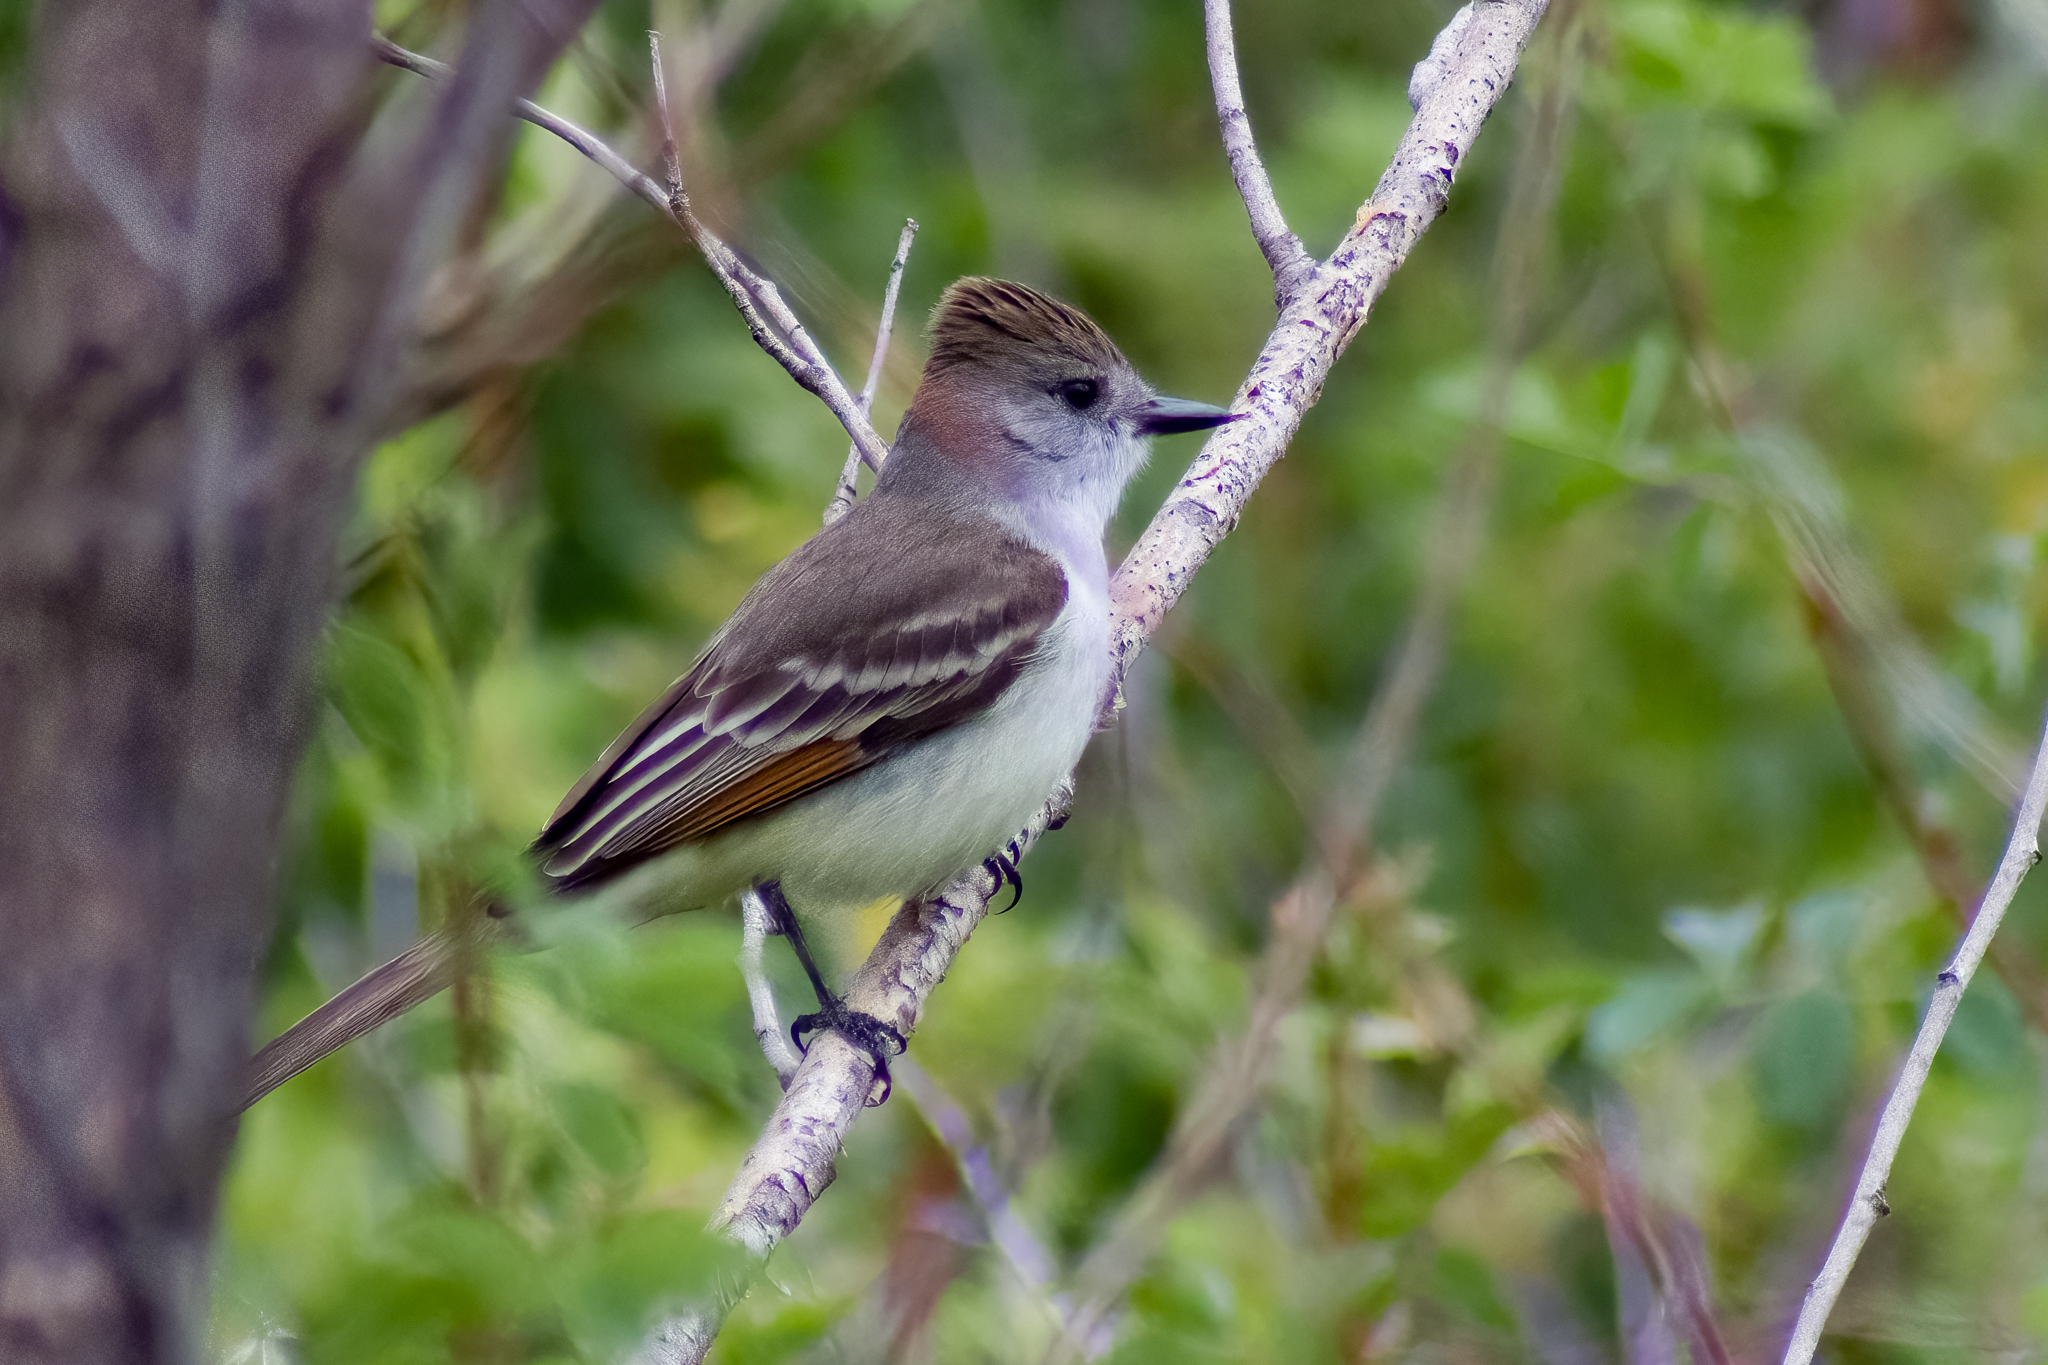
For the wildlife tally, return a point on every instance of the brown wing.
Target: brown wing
(889, 625)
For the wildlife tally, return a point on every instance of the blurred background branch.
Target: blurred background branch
(521, 299)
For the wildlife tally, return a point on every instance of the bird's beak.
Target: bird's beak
(1165, 416)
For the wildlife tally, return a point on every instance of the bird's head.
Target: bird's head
(1026, 395)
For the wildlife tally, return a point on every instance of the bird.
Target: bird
(890, 704)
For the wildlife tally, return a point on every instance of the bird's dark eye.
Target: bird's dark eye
(1080, 393)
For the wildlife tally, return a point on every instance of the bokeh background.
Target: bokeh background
(1731, 347)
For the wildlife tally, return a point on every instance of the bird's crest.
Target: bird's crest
(978, 319)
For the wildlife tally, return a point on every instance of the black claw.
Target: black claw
(879, 1040)
(1003, 869)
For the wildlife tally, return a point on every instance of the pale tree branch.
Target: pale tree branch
(842, 497)
(1319, 315)
(1868, 1204)
(757, 926)
(1284, 252)
(792, 1162)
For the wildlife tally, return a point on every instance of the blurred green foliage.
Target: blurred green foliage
(1636, 872)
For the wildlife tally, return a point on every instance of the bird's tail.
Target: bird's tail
(416, 974)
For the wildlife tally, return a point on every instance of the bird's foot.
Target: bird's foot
(879, 1040)
(1004, 869)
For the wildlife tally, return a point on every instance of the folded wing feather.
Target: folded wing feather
(892, 624)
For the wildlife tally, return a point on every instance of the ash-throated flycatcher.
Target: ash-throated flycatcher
(892, 702)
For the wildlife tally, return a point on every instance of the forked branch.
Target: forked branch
(757, 298)
(774, 325)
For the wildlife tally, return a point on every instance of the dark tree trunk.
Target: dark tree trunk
(210, 238)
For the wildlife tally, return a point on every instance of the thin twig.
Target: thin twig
(842, 498)
(671, 160)
(888, 322)
(755, 295)
(1290, 261)
(2022, 851)
(580, 138)
(1846, 659)
(773, 324)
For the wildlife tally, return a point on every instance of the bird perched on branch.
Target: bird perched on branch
(893, 701)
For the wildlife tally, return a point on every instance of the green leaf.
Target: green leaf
(1805, 1055)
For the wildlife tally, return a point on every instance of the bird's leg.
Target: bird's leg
(879, 1040)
